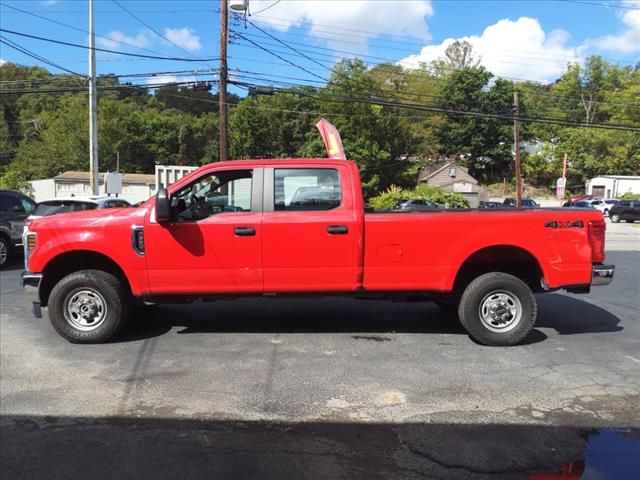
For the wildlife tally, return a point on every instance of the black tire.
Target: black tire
(89, 289)
(5, 251)
(615, 217)
(511, 300)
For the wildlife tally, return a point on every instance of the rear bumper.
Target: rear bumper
(31, 286)
(602, 275)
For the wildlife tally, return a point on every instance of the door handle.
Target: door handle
(245, 231)
(337, 230)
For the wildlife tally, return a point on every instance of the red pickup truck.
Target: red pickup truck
(300, 227)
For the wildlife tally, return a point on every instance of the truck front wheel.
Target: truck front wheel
(498, 309)
(89, 306)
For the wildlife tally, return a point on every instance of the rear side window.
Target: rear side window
(45, 209)
(625, 203)
(299, 189)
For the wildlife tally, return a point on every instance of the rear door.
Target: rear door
(635, 210)
(311, 234)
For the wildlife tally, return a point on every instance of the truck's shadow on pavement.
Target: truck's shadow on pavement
(159, 448)
(365, 319)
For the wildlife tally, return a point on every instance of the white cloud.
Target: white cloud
(518, 49)
(142, 40)
(163, 79)
(371, 19)
(2, 62)
(48, 2)
(183, 37)
(628, 41)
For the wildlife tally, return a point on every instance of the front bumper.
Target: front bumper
(602, 275)
(31, 286)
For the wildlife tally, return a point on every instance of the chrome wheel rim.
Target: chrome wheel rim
(3, 253)
(500, 311)
(615, 217)
(85, 309)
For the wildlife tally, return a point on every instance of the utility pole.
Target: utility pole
(94, 182)
(516, 147)
(222, 97)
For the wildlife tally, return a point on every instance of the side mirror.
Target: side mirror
(163, 206)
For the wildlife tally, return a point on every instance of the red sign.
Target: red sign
(332, 140)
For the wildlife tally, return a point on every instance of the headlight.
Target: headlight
(29, 242)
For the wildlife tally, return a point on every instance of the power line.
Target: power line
(278, 56)
(286, 44)
(415, 42)
(129, 12)
(601, 4)
(266, 8)
(34, 55)
(100, 87)
(78, 29)
(138, 55)
(383, 66)
(453, 112)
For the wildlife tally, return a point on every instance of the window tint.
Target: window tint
(10, 204)
(306, 189)
(228, 191)
(55, 207)
(28, 205)
(625, 203)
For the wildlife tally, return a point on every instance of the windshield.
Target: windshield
(55, 207)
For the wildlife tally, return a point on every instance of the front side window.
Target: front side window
(28, 205)
(226, 191)
(297, 189)
(10, 204)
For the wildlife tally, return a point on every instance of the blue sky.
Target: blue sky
(530, 40)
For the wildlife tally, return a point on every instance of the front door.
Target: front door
(311, 231)
(212, 244)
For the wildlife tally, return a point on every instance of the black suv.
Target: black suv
(14, 209)
(627, 210)
(526, 202)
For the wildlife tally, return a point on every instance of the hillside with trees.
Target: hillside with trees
(393, 121)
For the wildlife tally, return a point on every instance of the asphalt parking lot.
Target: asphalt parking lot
(326, 388)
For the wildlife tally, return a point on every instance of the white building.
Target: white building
(136, 187)
(167, 174)
(612, 186)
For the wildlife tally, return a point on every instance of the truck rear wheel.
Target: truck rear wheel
(89, 306)
(498, 309)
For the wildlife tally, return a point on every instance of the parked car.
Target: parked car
(603, 204)
(627, 210)
(14, 209)
(89, 267)
(484, 204)
(526, 202)
(416, 204)
(56, 206)
(579, 204)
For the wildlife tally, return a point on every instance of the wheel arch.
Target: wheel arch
(511, 259)
(74, 261)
